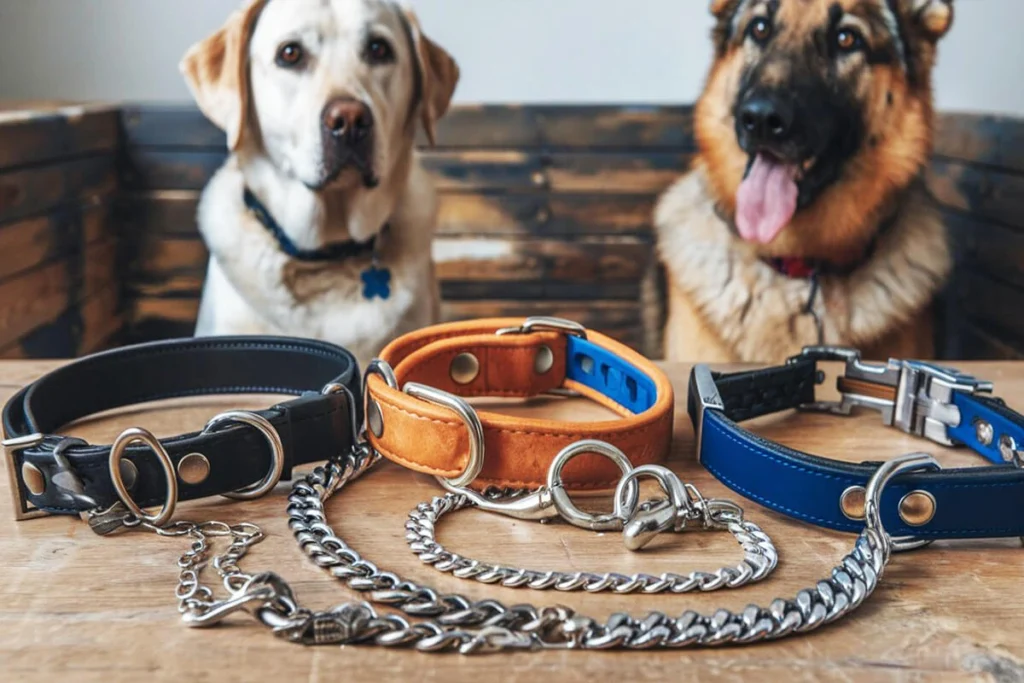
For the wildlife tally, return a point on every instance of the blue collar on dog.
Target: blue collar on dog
(376, 280)
(940, 404)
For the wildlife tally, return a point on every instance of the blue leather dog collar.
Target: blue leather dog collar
(943, 405)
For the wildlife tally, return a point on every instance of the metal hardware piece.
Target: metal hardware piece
(917, 508)
(475, 459)
(923, 392)
(563, 502)
(371, 409)
(1010, 449)
(852, 503)
(984, 432)
(915, 462)
(546, 324)
(709, 399)
(269, 432)
(23, 510)
(194, 468)
(464, 368)
(117, 451)
(35, 480)
(544, 360)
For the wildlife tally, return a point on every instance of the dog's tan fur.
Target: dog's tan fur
(272, 122)
(725, 304)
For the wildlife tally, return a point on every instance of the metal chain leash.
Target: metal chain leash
(457, 623)
(759, 555)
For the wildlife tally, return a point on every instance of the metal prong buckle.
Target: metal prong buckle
(546, 324)
(23, 510)
(921, 400)
(924, 398)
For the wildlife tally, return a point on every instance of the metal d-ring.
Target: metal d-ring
(475, 461)
(121, 443)
(563, 502)
(915, 462)
(374, 421)
(269, 432)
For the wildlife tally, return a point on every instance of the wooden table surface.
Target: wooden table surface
(87, 608)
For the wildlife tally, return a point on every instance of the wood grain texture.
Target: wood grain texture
(101, 609)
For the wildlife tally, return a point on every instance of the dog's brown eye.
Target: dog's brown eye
(378, 51)
(290, 55)
(760, 30)
(849, 40)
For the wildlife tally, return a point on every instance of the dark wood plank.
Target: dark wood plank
(37, 297)
(33, 191)
(62, 231)
(476, 170)
(545, 290)
(34, 137)
(171, 213)
(92, 325)
(982, 139)
(465, 127)
(584, 260)
(983, 192)
(993, 305)
(977, 344)
(986, 247)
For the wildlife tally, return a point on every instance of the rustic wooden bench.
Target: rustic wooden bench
(544, 209)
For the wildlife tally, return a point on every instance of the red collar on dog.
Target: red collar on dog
(796, 268)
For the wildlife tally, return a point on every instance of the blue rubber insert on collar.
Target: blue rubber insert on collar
(601, 370)
(1005, 423)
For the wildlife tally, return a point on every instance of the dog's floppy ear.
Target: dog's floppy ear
(723, 8)
(216, 70)
(935, 17)
(440, 75)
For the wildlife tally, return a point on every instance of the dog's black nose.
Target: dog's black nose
(349, 119)
(766, 119)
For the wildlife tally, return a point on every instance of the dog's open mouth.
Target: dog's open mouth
(767, 199)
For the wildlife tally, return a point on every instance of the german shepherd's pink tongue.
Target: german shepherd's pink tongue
(766, 200)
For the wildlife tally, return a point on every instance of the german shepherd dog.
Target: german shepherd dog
(803, 219)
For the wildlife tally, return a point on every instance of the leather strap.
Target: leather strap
(433, 440)
(313, 427)
(979, 502)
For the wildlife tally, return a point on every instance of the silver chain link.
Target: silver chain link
(759, 557)
(457, 623)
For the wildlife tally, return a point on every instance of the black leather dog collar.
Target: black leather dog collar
(52, 474)
(940, 404)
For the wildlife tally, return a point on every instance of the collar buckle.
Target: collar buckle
(912, 396)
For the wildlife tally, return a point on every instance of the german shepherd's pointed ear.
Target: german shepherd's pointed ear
(440, 76)
(216, 70)
(934, 16)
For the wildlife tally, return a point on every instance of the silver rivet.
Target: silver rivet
(193, 469)
(917, 508)
(464, 368)
(129, 473)
(34, 480)
(544, 360)
(852, 502)
(374, 418)
(1008, 448)
(983, 432)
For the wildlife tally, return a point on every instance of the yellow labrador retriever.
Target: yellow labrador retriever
(320, 222)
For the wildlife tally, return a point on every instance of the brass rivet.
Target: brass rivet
(917, 508)
(1008, 448)
(983, 432)
(129, 473)
(34, 480)
(544, 360)
(852, 502)
(464, 369)
(539, 179)
(543, 216)
(374, 418)
(194, 468)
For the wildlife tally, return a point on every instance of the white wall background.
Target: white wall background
(510, 50)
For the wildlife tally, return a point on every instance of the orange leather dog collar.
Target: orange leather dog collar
(427, 427)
